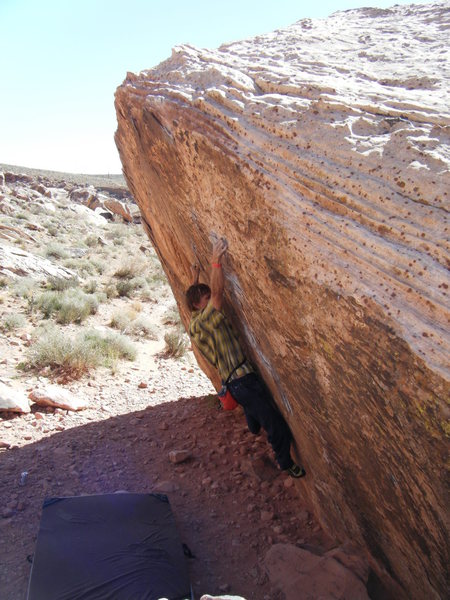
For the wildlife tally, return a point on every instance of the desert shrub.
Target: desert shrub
(56, 251)
(69, 306)
(22, 216)
(12, 321)
(61, 283)
(59, 352)
(111, 290)
(176, 344)
(144, 327)
(129, 269)
(121, 319)
(130, 323)
(22, 287)
(90, 286)
(27, 288)
(82, 266)
(76, 355)
(98, 266)
(139, 283)
(76, 306)
(91, 240)
(117, 232)
(101, 297)
(48, 303)
(3, 283)
(125, 287)
(110, 346)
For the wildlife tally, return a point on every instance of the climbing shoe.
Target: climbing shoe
(296, 471)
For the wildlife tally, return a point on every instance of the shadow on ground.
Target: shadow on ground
(230, 502)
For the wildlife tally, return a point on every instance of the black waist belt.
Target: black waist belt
(234, 371)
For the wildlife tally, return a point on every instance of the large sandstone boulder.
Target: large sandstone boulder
(321, 153)
(302, 575)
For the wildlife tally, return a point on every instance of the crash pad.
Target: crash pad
(108, 547)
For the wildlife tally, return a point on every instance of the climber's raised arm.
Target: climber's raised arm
(217, 279)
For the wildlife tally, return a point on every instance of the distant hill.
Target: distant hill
(98, 181)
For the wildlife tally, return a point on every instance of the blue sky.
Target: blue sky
(61, 61)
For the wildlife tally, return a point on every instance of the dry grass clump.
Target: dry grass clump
(128, 274)
(91, 286)
(25, 287)
(110, 346)
(61, 283)
(98, 266)
(176, 344)
(131, 323)
(125, 288)
(54, 350)
(57, 352)
(69, 306)
(56, 251)
(121, 319)
(118, 233)
(92, 240)
(82, 266)
(110, 290)
(142, 326)
(129, 269)
(12, 321)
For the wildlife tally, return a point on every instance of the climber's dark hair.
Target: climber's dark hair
(194, 294)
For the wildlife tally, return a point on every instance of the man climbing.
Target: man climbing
(215, 337)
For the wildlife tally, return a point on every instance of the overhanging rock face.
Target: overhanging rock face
(321, 153)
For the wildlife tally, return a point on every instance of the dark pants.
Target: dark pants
(250, 392)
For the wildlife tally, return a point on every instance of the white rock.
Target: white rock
(90, 216)
(13, 400)
(53, 395)
(16, 262)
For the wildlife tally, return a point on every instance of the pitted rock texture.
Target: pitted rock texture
(321, 152)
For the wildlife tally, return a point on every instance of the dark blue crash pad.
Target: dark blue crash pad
(108, 547)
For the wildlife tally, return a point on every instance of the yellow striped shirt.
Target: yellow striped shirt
(217, 340)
